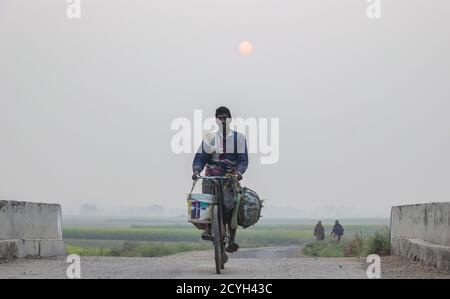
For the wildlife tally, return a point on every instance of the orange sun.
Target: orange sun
(246, 48)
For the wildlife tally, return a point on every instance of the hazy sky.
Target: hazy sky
(86, 105)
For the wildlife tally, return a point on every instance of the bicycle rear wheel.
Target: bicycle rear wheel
(222, 244)
(217, 239)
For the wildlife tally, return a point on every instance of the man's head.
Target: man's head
(337, 222)
(223, 117)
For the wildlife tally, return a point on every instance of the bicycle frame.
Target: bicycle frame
(217, 225)
(218, 188)
(218, 194)
(218, 182)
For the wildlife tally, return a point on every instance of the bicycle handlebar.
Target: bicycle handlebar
(211, 178)
(204, 177)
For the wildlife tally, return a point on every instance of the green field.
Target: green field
(131, 249)
(144, 237)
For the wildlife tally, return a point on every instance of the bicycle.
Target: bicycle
(218, 231)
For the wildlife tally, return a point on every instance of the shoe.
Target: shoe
(224, 258)
(206, 235)
(232, 247)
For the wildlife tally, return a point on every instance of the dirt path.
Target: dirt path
(269, 262)
(270, 252)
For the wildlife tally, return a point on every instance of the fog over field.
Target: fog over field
(86, 105)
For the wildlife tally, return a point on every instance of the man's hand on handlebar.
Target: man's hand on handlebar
(238, 176)
(195, 175)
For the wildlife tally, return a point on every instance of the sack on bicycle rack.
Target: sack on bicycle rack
(249, 210)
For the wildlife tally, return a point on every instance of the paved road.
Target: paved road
(269, 262)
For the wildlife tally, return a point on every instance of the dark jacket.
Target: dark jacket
(338, 230)
(223, 163)
(319, 232)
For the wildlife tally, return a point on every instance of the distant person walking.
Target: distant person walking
(319, 231)
(338, 231)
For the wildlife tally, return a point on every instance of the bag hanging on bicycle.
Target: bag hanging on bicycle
(249, 209)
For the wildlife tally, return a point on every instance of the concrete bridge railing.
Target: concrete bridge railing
(30, 230)
(422, 232)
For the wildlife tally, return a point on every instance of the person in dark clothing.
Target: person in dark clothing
(319, 231)
(222, 153)
(338, 231)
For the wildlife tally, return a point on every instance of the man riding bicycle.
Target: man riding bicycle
(223, 153)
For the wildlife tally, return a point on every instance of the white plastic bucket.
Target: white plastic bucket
(199, 208)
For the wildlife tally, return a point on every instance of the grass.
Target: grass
(324, 249)
(267, 235)
(87, 251)
(379, 243)
(166, 239)
(173, 234)
(139, 249)
(279, 236)
(358, 245)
